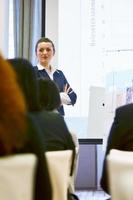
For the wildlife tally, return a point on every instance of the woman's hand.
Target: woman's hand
(65, 99)
(66, 88)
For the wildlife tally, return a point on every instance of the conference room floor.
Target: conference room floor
(92, 195)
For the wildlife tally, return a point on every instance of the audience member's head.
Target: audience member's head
(12, 111)
(49, 95)
(27, 80)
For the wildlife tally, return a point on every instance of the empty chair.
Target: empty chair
(76, 160)
(17, 177)
(120, 173)
(59, 165)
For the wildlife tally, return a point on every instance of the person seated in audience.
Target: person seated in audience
(120, 137)
(56, 134)
(26, 79)
(50, 101)
(54, 128)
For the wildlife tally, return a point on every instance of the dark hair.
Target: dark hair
(43, 39)
(49, 94)
(27, 79)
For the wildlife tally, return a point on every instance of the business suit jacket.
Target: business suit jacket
(120, 137)
(60, 81)
(56, 135)
(35, 145)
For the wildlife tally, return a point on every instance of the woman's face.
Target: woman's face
(44, 53)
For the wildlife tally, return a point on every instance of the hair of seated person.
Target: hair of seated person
(49, 94)
(27, 80)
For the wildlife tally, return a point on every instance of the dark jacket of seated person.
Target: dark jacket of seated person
(120, 137)
(56, 134)
(27, 81)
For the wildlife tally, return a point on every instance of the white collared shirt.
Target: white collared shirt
(49, 72)
(65, 99)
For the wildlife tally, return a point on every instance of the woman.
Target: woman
(45, 51)
(27, 81)
(56, 134)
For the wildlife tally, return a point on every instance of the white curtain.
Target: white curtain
(27, 27)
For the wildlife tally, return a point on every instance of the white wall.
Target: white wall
(4, 27)
(52, 25)
(70, 49)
